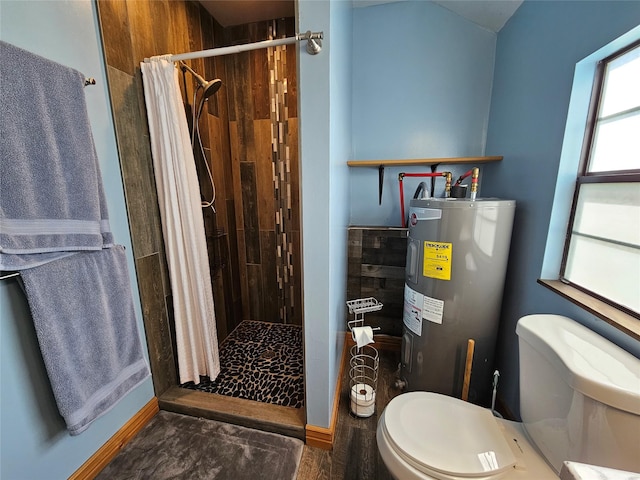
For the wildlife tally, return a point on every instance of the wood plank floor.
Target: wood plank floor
(355, 452)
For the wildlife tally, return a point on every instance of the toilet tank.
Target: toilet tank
(579, 394)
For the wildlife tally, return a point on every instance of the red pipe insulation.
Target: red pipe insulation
(462, 177)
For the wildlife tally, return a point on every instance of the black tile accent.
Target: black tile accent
(260, 361)
(250, 212)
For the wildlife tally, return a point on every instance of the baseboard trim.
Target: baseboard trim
(92, 467)
(322, 437)
(319, 437)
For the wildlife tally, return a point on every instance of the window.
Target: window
(602, 250)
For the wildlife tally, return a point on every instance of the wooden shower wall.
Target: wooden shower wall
(242, 243)
(264, 151)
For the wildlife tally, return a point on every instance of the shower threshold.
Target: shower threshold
(260, 384)
(238, 411)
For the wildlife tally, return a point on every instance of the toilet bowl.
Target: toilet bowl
(425, 435)
(579, 402)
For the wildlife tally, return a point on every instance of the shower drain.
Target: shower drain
(268, 354)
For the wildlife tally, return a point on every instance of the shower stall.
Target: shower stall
(246, 156)
(252, 228)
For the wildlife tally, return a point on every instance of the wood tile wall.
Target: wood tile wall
(376, 268)
(242, 246)
(264, 152)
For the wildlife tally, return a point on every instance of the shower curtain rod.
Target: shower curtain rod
(314, 45)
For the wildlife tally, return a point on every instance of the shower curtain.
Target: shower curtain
(182, 222)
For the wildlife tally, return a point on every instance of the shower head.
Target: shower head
(209, 88)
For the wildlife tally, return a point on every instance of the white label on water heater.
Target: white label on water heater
(432, 309)
(418, 307)
(412, 316)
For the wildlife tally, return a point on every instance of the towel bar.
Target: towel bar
(9, 275)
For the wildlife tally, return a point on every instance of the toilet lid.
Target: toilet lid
(446, 435)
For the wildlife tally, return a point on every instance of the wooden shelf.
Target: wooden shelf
(420, 161)
(381, 164)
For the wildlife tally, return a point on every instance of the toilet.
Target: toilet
(579, 401)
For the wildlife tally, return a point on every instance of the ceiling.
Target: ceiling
(490, 14)
(238, 12)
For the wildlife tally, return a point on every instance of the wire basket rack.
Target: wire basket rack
(363, 380)
(363, 362)
(359, 307)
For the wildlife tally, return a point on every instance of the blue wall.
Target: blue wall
(34, 442)
(520, 87)
(394, 115)
(340, 151)
(325, 146)
(422, 79)
(536, 54)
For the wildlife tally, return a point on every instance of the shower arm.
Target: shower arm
(184, 67)
(314, 45)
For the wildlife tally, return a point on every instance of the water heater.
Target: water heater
(457, 255)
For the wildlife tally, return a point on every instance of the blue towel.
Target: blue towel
(51, 193)
(82, 309)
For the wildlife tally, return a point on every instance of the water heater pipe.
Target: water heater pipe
(496, 375)
(401, 175)
(463, 176)
(475, 173)
(474, 183)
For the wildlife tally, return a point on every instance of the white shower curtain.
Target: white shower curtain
(182, 223)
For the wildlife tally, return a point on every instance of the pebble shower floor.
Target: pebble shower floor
(260, 361)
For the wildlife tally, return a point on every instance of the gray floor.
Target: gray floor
(174, 446)
(182, 447)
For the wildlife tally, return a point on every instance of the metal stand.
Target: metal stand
(363, 362)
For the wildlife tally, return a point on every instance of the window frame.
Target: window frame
(585, 177)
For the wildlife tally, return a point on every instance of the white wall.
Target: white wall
(33, 439)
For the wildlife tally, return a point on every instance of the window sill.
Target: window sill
(617, 318)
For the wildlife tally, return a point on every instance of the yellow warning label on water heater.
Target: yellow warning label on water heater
(437, 260)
